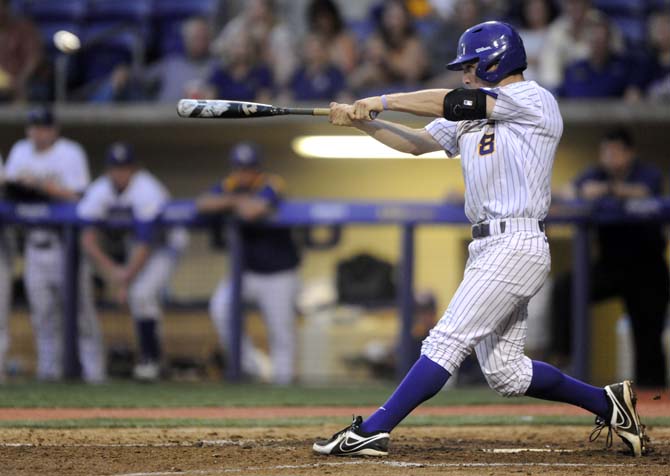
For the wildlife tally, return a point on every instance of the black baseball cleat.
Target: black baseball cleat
(624, 419)
(351, 441)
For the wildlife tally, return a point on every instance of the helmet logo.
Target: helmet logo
(483, 48)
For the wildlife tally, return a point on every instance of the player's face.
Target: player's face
(42, 137)
(616, 157)
(470, 79)
(120, 176)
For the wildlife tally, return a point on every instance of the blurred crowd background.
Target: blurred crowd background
(317, 50)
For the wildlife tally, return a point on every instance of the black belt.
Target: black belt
(42, 245)
(482, 230)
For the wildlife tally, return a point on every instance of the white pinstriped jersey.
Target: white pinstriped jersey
(507, 159)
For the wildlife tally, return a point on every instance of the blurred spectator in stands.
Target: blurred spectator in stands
(317, 79)
(120, 86)
(324, 18)
(270, 278)
(444, 42)
(176, 76)
(631, 262)
(169, 79)
(447, 9)
(271, 38)
(658, 70)
(567, 41)
(535, 17)
(20, 54)
(394, 55)
(603, 73)
(241, 75)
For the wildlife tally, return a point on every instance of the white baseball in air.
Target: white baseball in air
(66, 41)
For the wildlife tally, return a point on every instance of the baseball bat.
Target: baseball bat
(223, 109)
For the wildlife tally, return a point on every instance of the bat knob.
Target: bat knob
(374, 114)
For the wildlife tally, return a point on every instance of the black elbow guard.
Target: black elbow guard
(465, 105)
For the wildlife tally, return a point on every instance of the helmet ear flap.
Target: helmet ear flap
(484, 68)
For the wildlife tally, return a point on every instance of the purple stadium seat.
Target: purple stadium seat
(100, 60)
(659, 4)
(184, 8)
(52, 10)
(634, 29)
(122, 10)
(621, 7)
(361, 29)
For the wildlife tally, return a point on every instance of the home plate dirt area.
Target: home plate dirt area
(426, 450)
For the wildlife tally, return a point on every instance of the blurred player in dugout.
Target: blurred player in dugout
(46, 167)
(271, 259)
(126, 190)
(631, 262)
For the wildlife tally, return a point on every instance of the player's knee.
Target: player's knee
(508, 381)
(142, 303)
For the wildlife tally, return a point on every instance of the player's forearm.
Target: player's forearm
(630, 190)
(138, 259)
(398, 136)
(90, 245)
(252, 208)
(58, 193)
(214, 203)
(428, 102)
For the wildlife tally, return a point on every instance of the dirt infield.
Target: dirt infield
(528, 450)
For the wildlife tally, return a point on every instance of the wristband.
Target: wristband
(385, 104)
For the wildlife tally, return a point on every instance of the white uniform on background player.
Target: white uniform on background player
(57, 168)
(5, 289)
(126, 190)
(270, 278)
(506, 130)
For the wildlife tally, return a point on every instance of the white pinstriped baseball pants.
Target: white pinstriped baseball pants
(275, 294)
(488, 311)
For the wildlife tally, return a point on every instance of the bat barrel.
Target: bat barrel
(223, 109)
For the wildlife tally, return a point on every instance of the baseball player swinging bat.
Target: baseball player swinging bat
(223, 109)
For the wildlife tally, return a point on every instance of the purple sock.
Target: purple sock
(549, 383)
(424, 380)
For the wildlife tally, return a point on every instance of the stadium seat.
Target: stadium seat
(101, 60)
(634, 29)
(184, 8)
(621, 7)
(659, 4)
(122, 10)
(52, 10)
(362, 28)
(426, 28)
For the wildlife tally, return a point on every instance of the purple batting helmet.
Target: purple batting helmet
(491, 43)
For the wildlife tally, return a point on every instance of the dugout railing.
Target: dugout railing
(407, 215)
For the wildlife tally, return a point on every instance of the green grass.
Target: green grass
(298, 422)
(124, 394)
